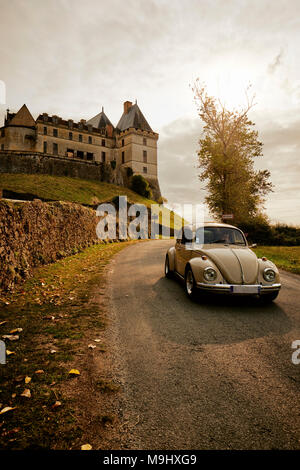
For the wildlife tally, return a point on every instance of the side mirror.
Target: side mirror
(254, 245)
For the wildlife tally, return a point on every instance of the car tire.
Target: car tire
(190, 283)
(267, 298)
(168, 273)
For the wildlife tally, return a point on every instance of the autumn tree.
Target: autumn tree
(228, 146)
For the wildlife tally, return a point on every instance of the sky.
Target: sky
(71, 57)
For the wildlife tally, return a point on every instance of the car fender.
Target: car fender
(198, 265)
(171, 256)
(262, 265)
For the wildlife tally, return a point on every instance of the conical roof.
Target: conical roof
(133, 118)
(22, 118)
(100, 121)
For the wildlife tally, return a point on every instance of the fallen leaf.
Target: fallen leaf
(97, 340)
(19, 378)
(27, 380)
(11, 337)
(6, 409)
(52, 351)
(2, 322)
(8, 353)
(40, 371)
(14, 395)
(56, 404)
(26, 393)
(74, 372)
(91, 346)
(16, 330)
(86, 447)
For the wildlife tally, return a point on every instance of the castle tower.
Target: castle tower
(19, 131)
(137, 144)
(101, 121)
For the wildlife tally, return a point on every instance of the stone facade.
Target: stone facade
(132, 143)
(36, 233)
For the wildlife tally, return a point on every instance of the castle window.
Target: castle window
(70, 153)
(45, 130)
(123, 142)
(89, 156)
(144, 141)
(144, 169)
(80, 154)
(2, 146)
(123, 157)
(103, 157)
(71, 135)
(55, 149)
(80, 137)
(45, 147)
(145, 156)
(55, 133)
(90, 140)
(2, 132)
(103, 143)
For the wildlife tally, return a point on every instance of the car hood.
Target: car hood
(237, 264)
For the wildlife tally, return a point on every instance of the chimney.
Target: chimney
(127, 106)
(109, 130)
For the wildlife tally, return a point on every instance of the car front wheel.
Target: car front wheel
(190, 283)
(266, 298)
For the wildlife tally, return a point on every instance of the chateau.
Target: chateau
(132, 143)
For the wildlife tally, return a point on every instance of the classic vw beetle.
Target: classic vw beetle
(216, 258)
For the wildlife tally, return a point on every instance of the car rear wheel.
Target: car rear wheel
(168, 273)
(190, 283)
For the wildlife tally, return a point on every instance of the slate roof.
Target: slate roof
(22, 118)
(100, 121)
(134, 118)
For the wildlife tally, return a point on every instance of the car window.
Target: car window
(222, 235)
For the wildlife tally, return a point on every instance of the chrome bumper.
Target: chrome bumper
(229, 288)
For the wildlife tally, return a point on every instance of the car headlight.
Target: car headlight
(209, 274)
(269, 274)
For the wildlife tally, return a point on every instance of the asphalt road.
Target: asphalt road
(212, 374)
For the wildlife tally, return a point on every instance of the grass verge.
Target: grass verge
(57, 319)
(285, 257)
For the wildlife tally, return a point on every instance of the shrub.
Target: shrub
(141, 186)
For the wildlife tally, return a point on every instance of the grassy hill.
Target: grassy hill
(61, 188)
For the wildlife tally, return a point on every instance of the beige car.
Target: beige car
(216, 258)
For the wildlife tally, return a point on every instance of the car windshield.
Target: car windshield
(222, 235)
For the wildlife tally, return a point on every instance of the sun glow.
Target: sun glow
(231, 88)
